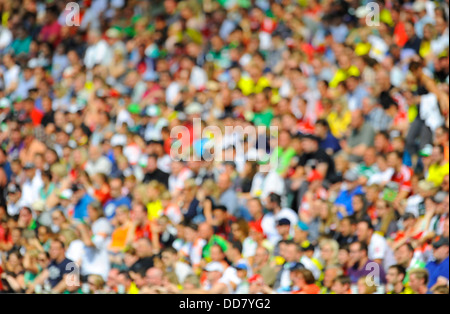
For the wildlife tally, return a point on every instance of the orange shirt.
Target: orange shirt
(309, 289)
(119, 237)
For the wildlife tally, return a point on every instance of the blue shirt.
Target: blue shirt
(113, 204)
(437, 270)
(80, 210)
(330, 142)
(345, 199)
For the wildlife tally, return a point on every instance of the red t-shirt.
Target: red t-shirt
(403, 178)
(143, 232)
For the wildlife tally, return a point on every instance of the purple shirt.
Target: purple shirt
(374, 270)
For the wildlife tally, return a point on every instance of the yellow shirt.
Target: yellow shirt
(133, 289)
(341, 75)
(339, 123)
(248, 87)
(155, 210)
(437, 173)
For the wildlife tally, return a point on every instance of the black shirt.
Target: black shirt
(57, 271)
(157, 175)
(143, 264)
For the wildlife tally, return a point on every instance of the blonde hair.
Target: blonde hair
(210, 187)
(334, 245)
(369, 289)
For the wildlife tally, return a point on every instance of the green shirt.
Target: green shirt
(263, 118)
(283, 159)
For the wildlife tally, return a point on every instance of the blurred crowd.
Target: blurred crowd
(99, 194)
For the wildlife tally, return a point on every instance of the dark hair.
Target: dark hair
(344, 280)
(221, 208)
(350, 219)
(60, 242)
(368, 222)
(191, 226)
(170, 250)
(307, 275)
(323, 123)
(409, 247)
(275, 198)
(362, 246)
(237, 245)
(400, 269)
(384, 134)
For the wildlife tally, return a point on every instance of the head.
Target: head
(95, 211)
(364, 231)
(358, 252)
(418, 279)
(143, 248)
(169, 257)
(154, 277)
(404, 254)
(395, 275)
(330, 275)
(347, 226)
(357, 119)
(341, 285)
(57, 250)
(329, 251)
(302, 278)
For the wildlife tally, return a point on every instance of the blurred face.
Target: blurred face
(213, 276)
(355, 253)
(414, 282)
(283, 230)
(116, 188)
(393, 160)
(216, 254)
(154, 277)
(254, 208)
(345, 228)
(139, 213)
(358, 204)
(343, 257)
(56, 250)
(381, 208)
(168, 259)
(25, 215)
(326, 252)
(329, 277)
(291, 253)
(363, 232)
(190, 234)
(441, 253)
(339, 288)
(393, 277)
(403, 256)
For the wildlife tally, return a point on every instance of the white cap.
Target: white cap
(362, 12)
(118, 140)
(214, 266)
(419, 6)
(38, 206)
(66, 194)
(194, 108)
(5, 103)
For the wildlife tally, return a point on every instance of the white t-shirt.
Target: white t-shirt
(182, 270)
(379, 249)
(30, 190)
(11, 76)
(95, 260)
